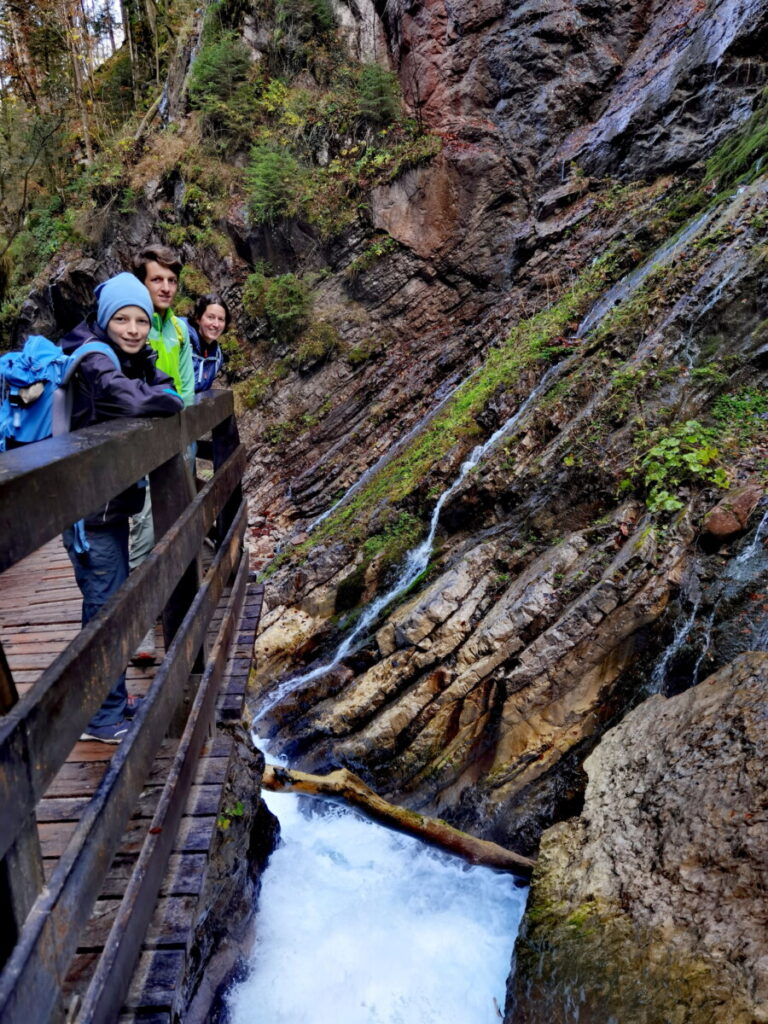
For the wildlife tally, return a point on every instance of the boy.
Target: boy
(102, 392)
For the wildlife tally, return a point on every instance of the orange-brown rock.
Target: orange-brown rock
(731, 515)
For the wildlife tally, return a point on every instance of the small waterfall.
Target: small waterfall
(418, 558)
(388, 455)
(624, 288)
(742, 573)
(754, 548)
(683, 629)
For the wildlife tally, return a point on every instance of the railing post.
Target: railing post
(8, 692)
(172, 489)
(226, 439)
(21, 870)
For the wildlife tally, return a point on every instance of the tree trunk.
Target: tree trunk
(74, 40)
(345, 785)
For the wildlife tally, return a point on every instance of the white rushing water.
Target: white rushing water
(360, 925)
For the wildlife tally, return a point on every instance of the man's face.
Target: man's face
(162, 285)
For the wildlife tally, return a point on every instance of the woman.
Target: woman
(209, 321)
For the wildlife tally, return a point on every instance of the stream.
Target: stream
(358, 924)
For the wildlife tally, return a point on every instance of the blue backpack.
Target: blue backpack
(35, 400)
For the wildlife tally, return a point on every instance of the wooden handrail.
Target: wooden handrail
(43, 489)
(62, 479)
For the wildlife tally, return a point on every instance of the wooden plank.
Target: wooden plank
(184, 875)
(170, 924)
(158, 975)
(37, 500)
(104, 997)
(74, 686)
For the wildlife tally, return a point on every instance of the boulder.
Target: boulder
(730, 516)
(651, 906)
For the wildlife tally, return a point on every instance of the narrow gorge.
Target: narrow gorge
(500, 357)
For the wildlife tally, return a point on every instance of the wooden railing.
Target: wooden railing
(43, 489)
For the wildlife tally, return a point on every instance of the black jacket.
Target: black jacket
(102, 392)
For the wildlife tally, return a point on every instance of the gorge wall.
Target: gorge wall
(590, 226)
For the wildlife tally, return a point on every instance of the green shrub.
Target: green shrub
(287, 304)
(273, 183)
(681, 454)
(284, 302)
(218, 87)
(254, 291)
(316, 344)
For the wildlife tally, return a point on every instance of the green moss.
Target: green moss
(739, 416)
(592, 962)
(537, 339)
(315, 345)
(369, 348)
(379, 248)
(193, 282)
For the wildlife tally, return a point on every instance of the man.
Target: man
(158, 268)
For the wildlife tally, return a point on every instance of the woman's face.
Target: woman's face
(212, 322)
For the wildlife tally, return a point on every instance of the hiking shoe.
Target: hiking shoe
(107, 733)
(132, 706)
(146, 652)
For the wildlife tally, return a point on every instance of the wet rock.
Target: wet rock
(731, 515)
(244, 840)
(651, 905)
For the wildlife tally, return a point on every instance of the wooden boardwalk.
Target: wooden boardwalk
(40, 608)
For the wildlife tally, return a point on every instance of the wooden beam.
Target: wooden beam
(37, 499)
(343, 784)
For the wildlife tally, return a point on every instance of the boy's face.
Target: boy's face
(162, 285)
(129, 329)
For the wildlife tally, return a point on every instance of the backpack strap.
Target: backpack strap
(62, 398)
(177, 327)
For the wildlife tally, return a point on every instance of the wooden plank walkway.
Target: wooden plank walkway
(40, 607)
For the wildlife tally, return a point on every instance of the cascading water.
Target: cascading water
(360, 925)
(388, 455)
(744, 574)
(629, 284)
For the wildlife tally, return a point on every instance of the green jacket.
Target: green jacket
(170, 339)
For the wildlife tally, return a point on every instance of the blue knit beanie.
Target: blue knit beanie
(121, 290)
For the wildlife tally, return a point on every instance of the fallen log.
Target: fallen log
(343, 784)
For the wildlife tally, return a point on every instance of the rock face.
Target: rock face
(652, 904)
(225, 910)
